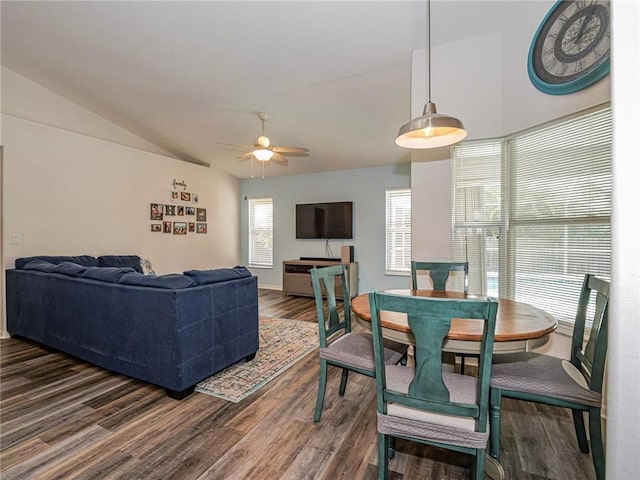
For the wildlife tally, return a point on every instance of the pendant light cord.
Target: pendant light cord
(429, 47)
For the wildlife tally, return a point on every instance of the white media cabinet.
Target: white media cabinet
(296, 278)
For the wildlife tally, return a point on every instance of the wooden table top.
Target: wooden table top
(515, 320)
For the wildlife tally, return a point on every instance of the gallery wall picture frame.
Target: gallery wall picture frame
(192, 227)
(166, 227)
(180, 211)
(179, 228)
(190, 210)
(169, 209)
(185, 196)
(156, 227)
(175, 196)
(201, 214)
(201, 228)
(155, 211)
(195, 198)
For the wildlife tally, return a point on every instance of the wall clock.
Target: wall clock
(570, 49)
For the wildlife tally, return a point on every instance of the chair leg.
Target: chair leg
(478, 467)
(321, 388)
(383, 459)
(392, 447)
(581, 434)
(494, 432)
(343, 381)
(461, 364)
(597, 449)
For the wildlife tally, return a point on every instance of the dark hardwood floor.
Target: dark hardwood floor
(65, 419)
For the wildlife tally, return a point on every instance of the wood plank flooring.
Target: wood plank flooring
(65, 419)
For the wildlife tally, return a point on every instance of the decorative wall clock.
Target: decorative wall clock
(570, 49)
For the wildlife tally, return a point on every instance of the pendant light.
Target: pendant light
(432, 129)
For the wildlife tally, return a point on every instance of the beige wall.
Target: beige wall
(72, 191)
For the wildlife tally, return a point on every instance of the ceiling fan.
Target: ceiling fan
(265, 152)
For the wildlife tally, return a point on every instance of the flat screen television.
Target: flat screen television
(324, 220)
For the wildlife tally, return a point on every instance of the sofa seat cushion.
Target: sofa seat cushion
(106, 274)
(86, 260)
(120, 261)
(204, 277)
(171, 281)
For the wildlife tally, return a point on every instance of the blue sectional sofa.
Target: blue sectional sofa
(170, 330)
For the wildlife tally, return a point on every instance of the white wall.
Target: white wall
(623, 387)
(364, 187)
(70, 192)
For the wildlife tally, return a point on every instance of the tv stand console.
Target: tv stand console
(296, 276)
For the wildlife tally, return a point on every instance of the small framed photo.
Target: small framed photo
(195, 198)
(191, 210)
(185, 196)
(201, 228)
(169, 209)
(175, 196)
(192, 227)
(155, 212)
(166, 227)
(201, 214)
(180, 210)
(156, 227)
(179, 228)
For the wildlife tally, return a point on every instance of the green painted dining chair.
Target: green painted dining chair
(339, 345)
(428, 404)
(439, 273)
(574, 383)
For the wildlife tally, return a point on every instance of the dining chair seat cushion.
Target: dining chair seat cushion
(356, 348)
(452, 429)
(542, 375)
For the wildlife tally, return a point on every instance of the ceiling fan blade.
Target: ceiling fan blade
(290, 150)
(245, 156)
(236, 146)
(294, 154)
(279, 159)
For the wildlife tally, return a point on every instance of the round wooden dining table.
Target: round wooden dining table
(520, 327)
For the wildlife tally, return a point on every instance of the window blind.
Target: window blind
(261, 232)
(398, 231)
(560, 184)
(532, 213)
(477, 213)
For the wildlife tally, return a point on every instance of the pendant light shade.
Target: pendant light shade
(432, 129)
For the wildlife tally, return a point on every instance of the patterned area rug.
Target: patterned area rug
(282, 343)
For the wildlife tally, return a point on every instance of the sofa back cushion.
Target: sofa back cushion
(106, 274)
(204, 277)
(120, 261)
(86, 260)
(171, 281)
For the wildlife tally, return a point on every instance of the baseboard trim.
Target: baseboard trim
(270, 287)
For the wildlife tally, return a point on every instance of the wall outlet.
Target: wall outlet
(16, 239)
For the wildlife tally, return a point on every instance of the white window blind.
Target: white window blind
(261, 232)
(398, 231)
(478, 221)
(532, 213)
(560, 211)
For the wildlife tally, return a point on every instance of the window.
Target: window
(532, 212)
(261, 232)
(398, 231)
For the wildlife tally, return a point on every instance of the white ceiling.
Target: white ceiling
(333, 76)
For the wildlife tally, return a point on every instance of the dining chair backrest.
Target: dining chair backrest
(593, 303)
(439, 273)
(430, 321)
(324, 282)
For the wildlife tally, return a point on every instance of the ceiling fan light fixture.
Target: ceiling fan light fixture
(431, 130)
(263, 154)
(263, 142)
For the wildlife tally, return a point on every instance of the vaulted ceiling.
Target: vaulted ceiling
(333, 76)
